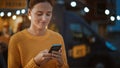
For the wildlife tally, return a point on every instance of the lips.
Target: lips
(41, 24)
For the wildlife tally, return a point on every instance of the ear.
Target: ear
(29, 12)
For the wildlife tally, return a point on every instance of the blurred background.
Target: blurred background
(90, 28)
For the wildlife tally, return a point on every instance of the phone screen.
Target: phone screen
(55, 47)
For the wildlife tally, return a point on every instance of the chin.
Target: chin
(41, 28)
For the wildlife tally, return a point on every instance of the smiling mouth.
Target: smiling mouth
(41, 25)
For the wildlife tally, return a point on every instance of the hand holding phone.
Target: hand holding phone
(57, 55)
(55, 47)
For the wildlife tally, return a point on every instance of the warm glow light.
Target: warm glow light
(86, 9)
(2, 14)
(29, 17)
(118, 17)
(14, 17)
(112, 18)
(18, 12)
(9, 14)
(73, 4)
(23, 11)
(107, 12)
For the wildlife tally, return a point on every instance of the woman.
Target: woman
(29, 48)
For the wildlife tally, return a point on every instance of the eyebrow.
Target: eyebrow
(47, 11)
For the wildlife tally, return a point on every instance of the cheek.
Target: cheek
(48, 19)
(34, 19)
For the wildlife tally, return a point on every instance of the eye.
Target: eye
(49, 14)
(39, 14)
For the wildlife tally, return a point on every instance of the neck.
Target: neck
(36, 32)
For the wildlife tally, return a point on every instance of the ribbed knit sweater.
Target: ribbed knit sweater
(23, 47)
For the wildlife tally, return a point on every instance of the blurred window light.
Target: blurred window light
(107, 12)
(86, 9)
(118, 17)
(2, 14)
(60, 1)
(73, 4)
(14, 17)
(112, 18)
(23, 11)
(9, 14)
(18, 12)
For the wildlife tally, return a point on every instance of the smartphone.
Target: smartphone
(55, 47)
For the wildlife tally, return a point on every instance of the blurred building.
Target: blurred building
(14, 12)
(99, 13)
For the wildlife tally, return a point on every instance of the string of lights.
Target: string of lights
(70, 4)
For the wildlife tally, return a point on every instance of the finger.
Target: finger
(45, 51)
(47, 55)
(60, 50)
(59, 58)
(57, 53)
(56, 56)
(46, 59)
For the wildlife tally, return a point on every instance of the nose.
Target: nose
(44, 18)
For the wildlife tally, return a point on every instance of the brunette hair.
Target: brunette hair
(34, 2)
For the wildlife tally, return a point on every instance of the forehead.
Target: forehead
(43, 6)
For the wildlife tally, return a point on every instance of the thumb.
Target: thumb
(45, 51)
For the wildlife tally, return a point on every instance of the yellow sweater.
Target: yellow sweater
(23, 47)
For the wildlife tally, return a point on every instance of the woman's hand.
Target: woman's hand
(58, 55)
(42, 57)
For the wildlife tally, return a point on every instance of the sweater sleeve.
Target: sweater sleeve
(14, 59)
(31, 64)
(64, 55)
(13, 54)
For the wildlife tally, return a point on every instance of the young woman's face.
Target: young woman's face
(41, 15)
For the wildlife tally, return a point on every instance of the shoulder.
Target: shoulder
(56, 34)
(18, 35)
